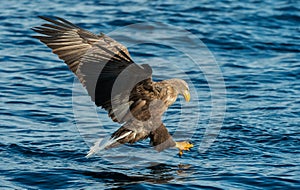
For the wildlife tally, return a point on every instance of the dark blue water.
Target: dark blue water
(256, 46)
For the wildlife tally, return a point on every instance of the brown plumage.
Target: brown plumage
(115, 82)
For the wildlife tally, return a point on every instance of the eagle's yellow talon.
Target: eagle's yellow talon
(183, 146)
(180, 153)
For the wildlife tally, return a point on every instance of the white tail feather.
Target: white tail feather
(102, 143)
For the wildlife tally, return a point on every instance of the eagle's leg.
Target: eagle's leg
(161, 139)
(184, 145)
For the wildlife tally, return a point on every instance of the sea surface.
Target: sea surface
(240, 59)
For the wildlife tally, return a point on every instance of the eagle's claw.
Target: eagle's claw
(183, 146)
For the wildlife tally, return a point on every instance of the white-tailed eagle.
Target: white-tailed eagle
(117, 84)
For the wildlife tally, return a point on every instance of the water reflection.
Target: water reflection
(156, 173)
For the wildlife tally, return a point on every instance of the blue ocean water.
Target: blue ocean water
(256, 45)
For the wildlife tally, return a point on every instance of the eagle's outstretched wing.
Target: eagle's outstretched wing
(102, 65)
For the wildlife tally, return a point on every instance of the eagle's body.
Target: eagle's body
(116, 83)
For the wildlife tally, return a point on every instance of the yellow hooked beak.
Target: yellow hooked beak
(187, 95)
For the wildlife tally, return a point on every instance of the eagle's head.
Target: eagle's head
(181, 87)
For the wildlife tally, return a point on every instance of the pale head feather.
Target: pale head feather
(181, 87)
